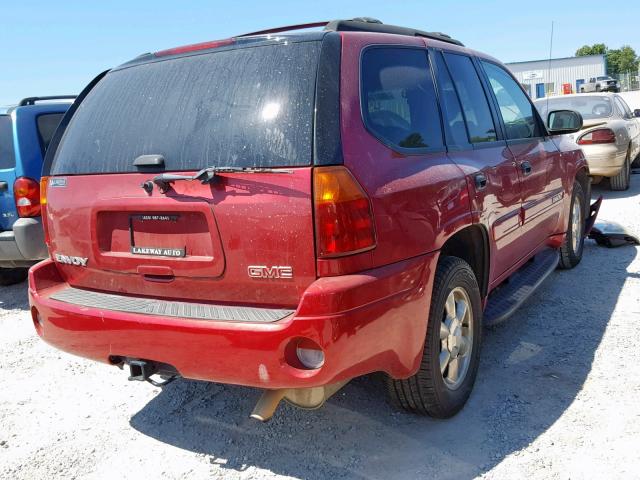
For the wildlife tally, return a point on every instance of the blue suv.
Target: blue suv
(25, 133)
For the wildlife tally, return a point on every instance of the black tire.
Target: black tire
(636, 162)
(621, 181)
(9, 276)
(426, 392)
(570, 251)
(597, 88)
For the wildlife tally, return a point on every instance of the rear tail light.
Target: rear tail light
(26, 192)
(343, 214)
(602, 135)
(44, 181)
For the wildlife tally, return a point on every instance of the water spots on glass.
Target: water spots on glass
(245, 107)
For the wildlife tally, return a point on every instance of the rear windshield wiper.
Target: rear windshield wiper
(208, 174)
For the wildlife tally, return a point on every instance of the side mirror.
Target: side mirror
(636, 113)
(562, 122)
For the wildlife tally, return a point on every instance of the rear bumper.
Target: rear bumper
(23, 245)
(373, 321)
(604, 160)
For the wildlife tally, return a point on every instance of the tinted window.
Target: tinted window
(47, 125)
(244, 107)
(515, 108)
(7, 155)
(474, 102)
(398, 98)
(451, 110)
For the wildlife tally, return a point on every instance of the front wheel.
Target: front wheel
(571, 249)
(451, 354)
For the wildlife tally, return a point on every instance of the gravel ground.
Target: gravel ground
(557, 396)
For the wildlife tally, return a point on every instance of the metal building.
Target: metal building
(558, 75)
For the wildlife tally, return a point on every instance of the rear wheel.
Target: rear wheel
(451, 353)
(9, 276)
(621, 180)
(571, 249)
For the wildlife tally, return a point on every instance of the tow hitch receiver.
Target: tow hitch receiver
(140, 370)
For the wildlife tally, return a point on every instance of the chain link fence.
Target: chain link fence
(629, 81)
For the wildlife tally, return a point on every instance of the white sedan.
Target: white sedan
(610, 138)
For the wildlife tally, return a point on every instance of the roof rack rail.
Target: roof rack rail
(361, 24)
(288, 28)
(33, 100)
(366, 24)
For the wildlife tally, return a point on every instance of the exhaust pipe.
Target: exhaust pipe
(307, 398)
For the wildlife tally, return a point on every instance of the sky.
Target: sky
(57, 47)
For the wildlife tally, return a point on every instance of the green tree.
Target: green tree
(622, 60)
(595, 49)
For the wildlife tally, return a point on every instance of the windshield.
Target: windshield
(245, 107)
(590, 107)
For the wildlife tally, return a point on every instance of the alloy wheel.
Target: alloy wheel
(456, 338)
(576, 226)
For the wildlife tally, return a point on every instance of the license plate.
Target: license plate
(174, 252)
(158, 252)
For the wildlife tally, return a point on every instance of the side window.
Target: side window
(451, 111)
(47, 125)
(474, 102)
(623, 107)
(7, 155)
(398, 98)
(515, 108)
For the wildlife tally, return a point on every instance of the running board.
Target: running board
(507, 298)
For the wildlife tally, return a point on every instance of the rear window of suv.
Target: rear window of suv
(7, 155)
(244, 107)
(47, 124)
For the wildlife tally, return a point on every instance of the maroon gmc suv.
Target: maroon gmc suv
(290, 211)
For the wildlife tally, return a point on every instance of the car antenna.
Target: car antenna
(549, 69)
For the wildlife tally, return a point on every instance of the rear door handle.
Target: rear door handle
(4, 186)
(526, 168)
(480, 180)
